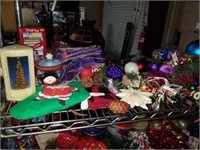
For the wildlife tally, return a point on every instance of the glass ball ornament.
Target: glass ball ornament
(166, 68)
(176, 122)
(156, 124)
(132, 68)
(183, 124)
(140, 65)
(143, 88)
(153, 66)
(86, 72)
(164, 53)
(192, 87)
(193, 48)
(114, 72)
(143, 64)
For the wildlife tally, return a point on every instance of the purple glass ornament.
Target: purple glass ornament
(153, 67)
(168, 69)
(114, 72)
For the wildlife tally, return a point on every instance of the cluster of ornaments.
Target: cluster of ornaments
(129, 97)
(167, 136)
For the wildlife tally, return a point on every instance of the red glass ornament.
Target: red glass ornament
(149, 89)
(187, 92)
(140, 65)
(86, 72)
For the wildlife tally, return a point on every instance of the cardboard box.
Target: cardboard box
(34, 37)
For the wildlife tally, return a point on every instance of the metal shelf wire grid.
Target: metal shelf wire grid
(66, 120)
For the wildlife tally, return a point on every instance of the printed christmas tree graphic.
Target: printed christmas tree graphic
(20, 82)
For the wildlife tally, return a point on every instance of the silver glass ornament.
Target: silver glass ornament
(112, 87)
(159, 103)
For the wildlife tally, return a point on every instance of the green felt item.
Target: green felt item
(31, 108)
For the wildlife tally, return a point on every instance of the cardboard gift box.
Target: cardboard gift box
(34, 37)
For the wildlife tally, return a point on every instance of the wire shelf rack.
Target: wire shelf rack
(67, 120)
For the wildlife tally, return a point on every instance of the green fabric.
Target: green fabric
(30, 108)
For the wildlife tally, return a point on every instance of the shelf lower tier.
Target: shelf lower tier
(66, 120)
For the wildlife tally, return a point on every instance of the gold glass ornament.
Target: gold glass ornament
(183, 124)
(156, 124)
(143, 88)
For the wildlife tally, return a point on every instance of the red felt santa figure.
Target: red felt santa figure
(61, 91)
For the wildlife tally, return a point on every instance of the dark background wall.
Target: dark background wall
(156, 24)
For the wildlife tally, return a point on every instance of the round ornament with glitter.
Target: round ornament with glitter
(114, 72)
